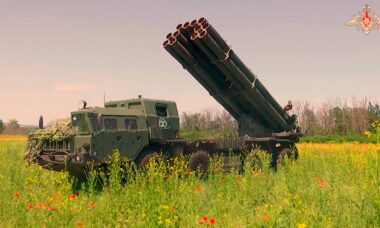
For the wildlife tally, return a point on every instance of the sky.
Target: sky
(55, 53)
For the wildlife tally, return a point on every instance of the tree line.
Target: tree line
(339, 117)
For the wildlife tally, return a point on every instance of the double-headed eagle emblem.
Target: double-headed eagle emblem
(366, 21)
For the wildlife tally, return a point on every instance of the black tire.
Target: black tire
(290, 152)
(254, 160)
(199, 162)
(146, 159)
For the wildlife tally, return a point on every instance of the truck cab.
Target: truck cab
(129, 126)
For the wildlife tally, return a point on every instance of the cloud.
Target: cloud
(66, 87)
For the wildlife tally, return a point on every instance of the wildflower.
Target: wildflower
(40, 205)
(171, 209)
(167, 221)
(265, 216)
(198, 188)
(200, 222)
(237, 180)
(51, 208)
(368, 134)
(204, 218)
(258, 174)
(73, 196)
(322, 183)
(79, 224)
(74, 210)
(29, 187)
(91, 204)
(211, 221)
(302, 225)
(17, 194)
(30, 206)
(188, 172)
(55, 195)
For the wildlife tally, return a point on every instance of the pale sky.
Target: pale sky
(55, 53)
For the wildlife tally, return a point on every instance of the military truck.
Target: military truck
(140, 128)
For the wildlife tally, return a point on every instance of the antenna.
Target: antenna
(104, 98)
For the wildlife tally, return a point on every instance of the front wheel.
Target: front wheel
(199, 162)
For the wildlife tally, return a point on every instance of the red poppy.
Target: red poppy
(211, 221)
(73, 196)
(79, 224)
(17, 194)
(91, 204)
(51, 208)
(40, 205)
(30, 206)
(265, 216)
(322, 182)
(55, 195)
(204, 218)
(200, 222)
(29, 187)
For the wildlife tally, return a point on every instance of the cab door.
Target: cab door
(134, 136)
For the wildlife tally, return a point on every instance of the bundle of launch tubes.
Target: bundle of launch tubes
(199, 48)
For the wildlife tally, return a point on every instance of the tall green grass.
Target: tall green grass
(332, 185)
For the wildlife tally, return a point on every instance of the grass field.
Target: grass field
(332, 185)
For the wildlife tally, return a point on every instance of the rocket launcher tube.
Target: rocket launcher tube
(252, 77)
(218, 39)
(223, 45)
(242, 82)
(255, 102)
(189, 63)
(221, 49)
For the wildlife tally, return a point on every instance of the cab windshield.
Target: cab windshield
(79, 122)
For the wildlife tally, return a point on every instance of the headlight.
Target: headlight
(78, 158)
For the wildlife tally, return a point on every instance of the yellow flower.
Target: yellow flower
(368, 134)
(167, 221)
(301, 225)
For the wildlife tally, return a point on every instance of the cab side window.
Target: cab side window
(110, 124)
(161, 110)
(130, 124)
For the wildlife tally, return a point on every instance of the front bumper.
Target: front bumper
(62, 160)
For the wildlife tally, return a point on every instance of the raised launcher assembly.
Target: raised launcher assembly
(203, 52)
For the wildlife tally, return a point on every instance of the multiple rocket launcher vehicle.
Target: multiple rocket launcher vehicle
(199, 48)
(140, 128)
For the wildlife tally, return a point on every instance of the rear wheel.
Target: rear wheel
(255, 160)
(146, 159)
(289, 152)
(199, 162)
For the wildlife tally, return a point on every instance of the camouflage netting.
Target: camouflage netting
(59, 131)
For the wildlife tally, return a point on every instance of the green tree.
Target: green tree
(1, 125)
(13, 123)
(373, 112)
(338, 120)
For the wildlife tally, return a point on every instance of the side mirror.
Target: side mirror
(41, 122)
(100, 121)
